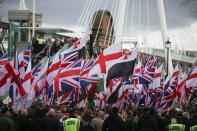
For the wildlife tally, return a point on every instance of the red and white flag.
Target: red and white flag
(54, 69)
(5, 78)
(39, 82)
(182, 91)
(109, 54)
(26, 82)
(192, 80)
(157, 77)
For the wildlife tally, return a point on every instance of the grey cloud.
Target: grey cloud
(67, 12)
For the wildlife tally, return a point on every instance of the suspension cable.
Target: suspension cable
(132, 16)
(125, 23)
(108, 25)
(100, 21)
(83, 11)
(91, 23)
(139, 18)
(115, 20)
(89, 16)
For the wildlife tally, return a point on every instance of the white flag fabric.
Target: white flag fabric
(110, 54)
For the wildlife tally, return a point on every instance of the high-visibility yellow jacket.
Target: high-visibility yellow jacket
(41, 41)
(193, 128)
(176, 127)
(71, 124)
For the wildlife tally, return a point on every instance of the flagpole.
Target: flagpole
(33, 19)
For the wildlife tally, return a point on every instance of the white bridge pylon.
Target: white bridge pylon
(119, 10)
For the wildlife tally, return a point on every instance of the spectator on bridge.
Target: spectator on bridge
(41, 43)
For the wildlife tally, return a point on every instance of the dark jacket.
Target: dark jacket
(113, 123)
(193, 121)
(36, 124)
(163, 123)
(22, 123)
(6, 124)
(128, 124)
(52, 124)
(85, 124)
(147, 123)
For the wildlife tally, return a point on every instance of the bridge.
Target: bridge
(147, 22)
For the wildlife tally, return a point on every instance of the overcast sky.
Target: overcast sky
(67, 12)
(179, 14)
(54, 11)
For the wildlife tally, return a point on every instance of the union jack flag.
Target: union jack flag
(69, 77)
(151, 98)
(23, 60)
(53, 70)
(26, 56)
(49, 96)
(4, 60)
(65, 97)
(124, 96)
(37, 70)
(170, 90)
(145, 80)
(150, 62)
(84, 78)
(68, 59)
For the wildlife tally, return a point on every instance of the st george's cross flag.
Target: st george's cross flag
(5, 78)
(122, 67)
(192, 80)
(110, 54)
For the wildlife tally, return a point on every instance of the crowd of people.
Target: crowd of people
(41, 46)
(185, 67)
(68, 118)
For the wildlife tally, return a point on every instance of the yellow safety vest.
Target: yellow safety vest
(193, 128)
(71, 124)
(41, 41)
(176, 127)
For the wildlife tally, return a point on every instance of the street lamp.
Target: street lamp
(167, 46)
(33, 19)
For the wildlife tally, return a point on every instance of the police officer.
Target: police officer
(72, 123)
(41, 43)
(193, 128)
(41, 40)
(174, 126)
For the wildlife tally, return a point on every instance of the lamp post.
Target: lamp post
(33, 19)
(167, 46)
